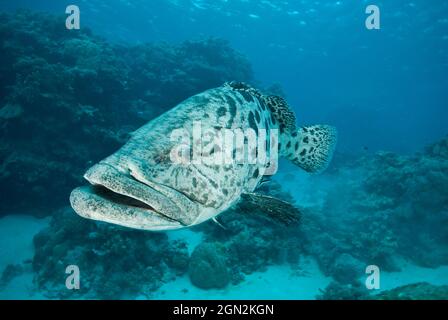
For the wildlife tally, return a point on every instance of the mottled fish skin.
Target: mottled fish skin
(179, 195)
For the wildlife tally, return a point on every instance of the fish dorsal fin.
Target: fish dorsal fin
(243, 87)
(281, 112)
(277, 105)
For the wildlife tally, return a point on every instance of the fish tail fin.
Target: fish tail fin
(311, 148)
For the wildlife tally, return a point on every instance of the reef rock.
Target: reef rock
(208, 266)
(347, 269)
(337, 291)
(415, 291)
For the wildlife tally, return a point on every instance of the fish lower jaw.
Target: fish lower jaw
(94, 202)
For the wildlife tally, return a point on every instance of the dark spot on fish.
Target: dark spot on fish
(306, 140)
(255, 174)
(232, 110)
(239, 99)
(195, 182)
(314, 140)
(222, 111)
(279, 146)
(273, 120)
(294, 134)
(225, 191)
(213, 183)
(252, 123)
(257, 116)
(303, 153)
(296, 146)
(232, 105)
(288, 145)
(247, 96)
(206, 115)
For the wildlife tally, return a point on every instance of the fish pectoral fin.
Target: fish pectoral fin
(219, 223)
(279, 210)
(263, 182)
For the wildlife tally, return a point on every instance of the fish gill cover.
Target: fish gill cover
(69, 99)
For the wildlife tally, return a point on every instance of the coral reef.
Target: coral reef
(381, 208)
(68, 99)
(10, 272)
(337, 291)
(356, 291)
(114, 262)
(415, 291)
(208, 266)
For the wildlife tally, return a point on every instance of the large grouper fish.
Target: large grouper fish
(141, 187)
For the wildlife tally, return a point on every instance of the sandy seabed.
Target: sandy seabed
(276, 282)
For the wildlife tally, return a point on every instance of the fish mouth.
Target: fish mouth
(121, 199)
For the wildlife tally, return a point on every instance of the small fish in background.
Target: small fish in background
(140, 187)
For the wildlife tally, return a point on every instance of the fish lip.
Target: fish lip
(117, 198)
(113, 185)
(94, 202)
(110, 195)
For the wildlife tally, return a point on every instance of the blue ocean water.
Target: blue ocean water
(329, 65)
(70, 98)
